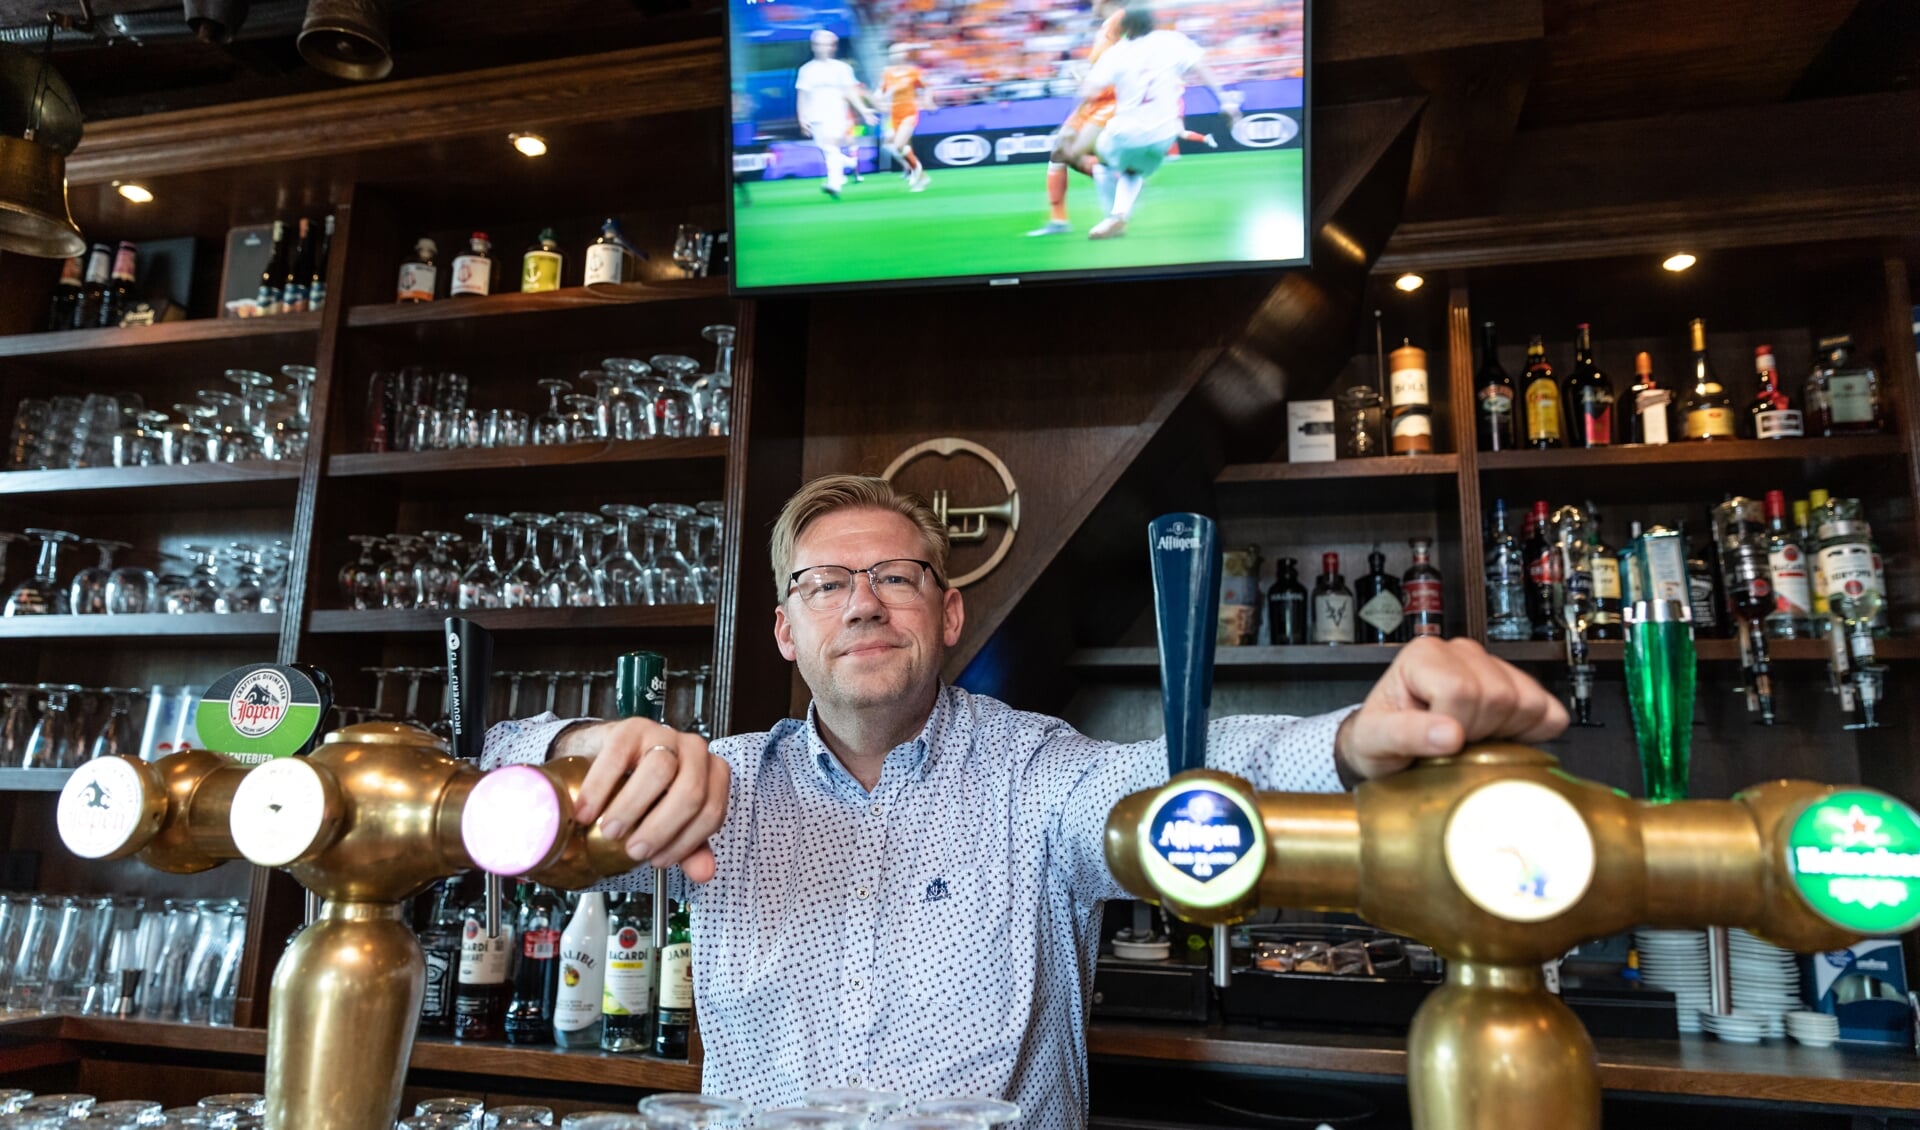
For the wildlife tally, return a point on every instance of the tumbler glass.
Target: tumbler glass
(32, 953)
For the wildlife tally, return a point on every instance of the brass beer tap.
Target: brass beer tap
(372, 817)
(1501, 862)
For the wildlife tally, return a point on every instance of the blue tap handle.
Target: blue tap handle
(1186, 603)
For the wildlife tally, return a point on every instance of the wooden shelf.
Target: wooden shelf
(515, 304)
(33, 780)
(1387, 484)
(1385, 467)
(1696, 472)
(258, 482)
(673, 617)
(1708, 650)
(1734, 451)
(388, 463)
(1296, 661)
(149, 625)
(536, 323)
(160, 336)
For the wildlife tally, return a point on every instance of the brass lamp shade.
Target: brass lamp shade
(347, 39)
(34, 218)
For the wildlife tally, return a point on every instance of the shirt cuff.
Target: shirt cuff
(1322, 732)
(525, 741)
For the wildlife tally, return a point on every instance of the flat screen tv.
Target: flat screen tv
(948, 142)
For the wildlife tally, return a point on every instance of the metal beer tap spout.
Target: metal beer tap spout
(1501, 861)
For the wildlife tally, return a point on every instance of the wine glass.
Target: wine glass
(676, 574)
(522, 588)
(694, 1112)
(715, 394)
(707, 549)
(397, 586)
(674, 402)
(53, 743)
(692, 248)
(622, 567)
(16, 726)
(623, 410)
(246, 593)
(480, 585)
(360, 578)
(572, 582)
(583, 418)
(300, 379)
(42, 594)
(119, 734)
(436, 576)
(200, 591)
(551, 426)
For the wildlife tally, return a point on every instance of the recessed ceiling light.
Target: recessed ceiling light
(1409, 282)
(1679, 262)
(135, 192)
(529, 144)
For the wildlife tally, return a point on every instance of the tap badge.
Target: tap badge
(258, 712)
(1855, 858)
(100, 807)
(1206, 846)
(1520, 851)
(259, 703)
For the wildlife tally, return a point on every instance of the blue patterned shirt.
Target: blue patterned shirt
(936, 935)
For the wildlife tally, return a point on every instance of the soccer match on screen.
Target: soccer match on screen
(924, 140)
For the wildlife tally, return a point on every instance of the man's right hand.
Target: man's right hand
(656, 788)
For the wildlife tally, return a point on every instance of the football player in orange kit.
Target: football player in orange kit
(902, 84)
(1073, 145)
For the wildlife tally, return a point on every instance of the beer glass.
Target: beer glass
(854, 1100)
(70, 963)
(469, 1110)
(71, 1106)
(807, 1118)
(694, 1112)
(503, 1117)
(27, 981)
(12, 1101)
(240, 1102)
(551, 425)
(983, 1111)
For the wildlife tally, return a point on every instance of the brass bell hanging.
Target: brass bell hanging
(347, 39)
(40, 124)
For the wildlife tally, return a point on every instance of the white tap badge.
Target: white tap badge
(278, 812)
(1520, 851)
(100, 807)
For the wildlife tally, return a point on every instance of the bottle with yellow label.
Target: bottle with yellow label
(1709, 404)
(1542, 394)
(540, 269)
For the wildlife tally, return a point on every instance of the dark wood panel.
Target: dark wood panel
(328, 621)
(165, 340)
(516, 306)
(1385, 467)
(514, 459)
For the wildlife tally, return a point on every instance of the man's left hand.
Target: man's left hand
(1438, 696)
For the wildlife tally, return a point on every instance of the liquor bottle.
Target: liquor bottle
(1332, 603)
(1842, 399)
(1652, 419)
(66, 295)
(1287, 605)
(317, 281)
(473, 268)
(540, 267)
(1494, 396)
(583, 970)
(1846, 569)
(298, 291)
(675, 1014)
(94, 289)
(536, 979)
(1787, 562)
(1607, 622)
(1381, 609)
(626, 998)
(1740, 537)
(272, 295)
(440, 943)
(1544, 593)
(117, 299)
(481, 990)
(1410, 413)
(1703, 589)
(1507, 593)
(1426, 608)
(1816, 502)
(1774, 416)
(1543, 399)
(609, 256)
(419, 274)
(1589, 396)
(1709, 404)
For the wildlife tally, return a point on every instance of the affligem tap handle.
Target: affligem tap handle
(1186, 600)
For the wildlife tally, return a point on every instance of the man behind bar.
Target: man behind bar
(902, 891)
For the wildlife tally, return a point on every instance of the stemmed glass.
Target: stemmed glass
(132, 590)
(120, 734)
(714, 393)
(16, 728)
(53, 743)
(480, 585)
(522, 588)
(624, 411)
(246, 593)
(551, 426)
(676, 575)
(43, 595)
(643, 387)
(624, 572)
(707, 549)
(583, 416)
(674, 402)
(437, 576)
(87, 594)
(300, 379)
(397, 586)
(200, 590)
(360, 578)
(572, 582)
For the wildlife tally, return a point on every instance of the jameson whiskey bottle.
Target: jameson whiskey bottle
(675, 1016)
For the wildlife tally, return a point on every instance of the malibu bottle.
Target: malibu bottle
(583, 968)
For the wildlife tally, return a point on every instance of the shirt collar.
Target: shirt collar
(914, 756)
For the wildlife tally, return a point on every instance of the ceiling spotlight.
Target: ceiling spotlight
(1679, 262)
(1409, 282)
(138, 193)
(529, 144)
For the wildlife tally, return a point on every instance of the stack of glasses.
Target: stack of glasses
(237, 577)
(87, 955)
(264, 417)
(27, 1111)
(74, 724)
(834, 1108)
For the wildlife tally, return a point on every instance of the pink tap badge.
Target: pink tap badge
(512, 820)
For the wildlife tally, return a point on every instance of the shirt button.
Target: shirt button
(875, 810)
(853, 1080)
(859, 984)
(862, 892)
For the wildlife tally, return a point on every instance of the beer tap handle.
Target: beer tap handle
(494, 897)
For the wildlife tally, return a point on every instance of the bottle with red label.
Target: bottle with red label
(626, 1000)
(480, 987)
(1792, 614)
(1589, 396)
(1544, 578)
(1774, 416)
(536, 980)
(1426, 608)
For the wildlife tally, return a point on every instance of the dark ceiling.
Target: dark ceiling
(1599, 60)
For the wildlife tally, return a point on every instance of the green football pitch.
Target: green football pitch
(1205, 208)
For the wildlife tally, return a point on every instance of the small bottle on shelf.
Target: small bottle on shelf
(118, 298)
(536, 978)
(1709, 404)
(610, 257)
(419, 273)
(1589, 396)
(1381, 609)
(583, 956)
(1843, 399)
(1332, 603)
(1506, 581)
(1410, 420)
(1287, 605)
(1792, 613)
(1652, 419)
(1426, 607)
(271, 298)
(473, 268)
(1607, 622)
(300, 276)
(1774, 416)
(1544, 578)
(317, 282)
(1542, 399)
(66, 295)
(94, 290)
(1494, 397)
(540, 267)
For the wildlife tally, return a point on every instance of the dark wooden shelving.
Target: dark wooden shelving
(1709, 651)
(471, 327)
(159, 336)
(1697, 472)
(1754, 452)
(515, 304)
(259, 482)
(150, 625)
(522, 458)
(1388, 483)
(1385, 467)
(33, 780)
(674, 617)
(1296, 660)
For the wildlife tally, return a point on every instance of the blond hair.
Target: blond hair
(830, 493)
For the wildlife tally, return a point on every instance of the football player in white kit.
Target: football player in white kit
(1148, 70)
(827, 95)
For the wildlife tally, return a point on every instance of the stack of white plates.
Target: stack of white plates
(1766, 980)
(1814, 1029)
(1737, 1027)
(1676, 960)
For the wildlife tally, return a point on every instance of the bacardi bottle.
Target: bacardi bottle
(1332, 603)
(1791, 617)
(626, 999)
(1545, 595)
(481, 991)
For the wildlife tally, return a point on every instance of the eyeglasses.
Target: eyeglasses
(829, 588)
